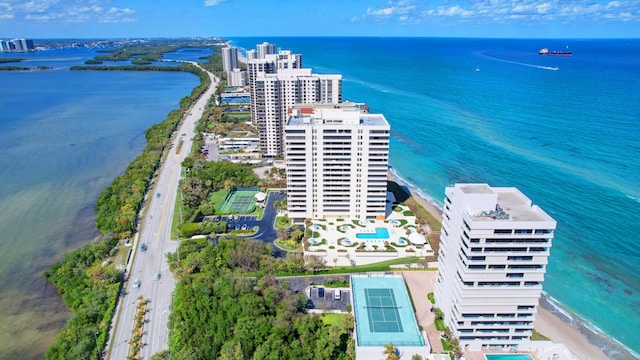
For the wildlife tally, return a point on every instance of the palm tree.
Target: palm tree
(391, 351)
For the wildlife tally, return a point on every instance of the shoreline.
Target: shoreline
(546, 323)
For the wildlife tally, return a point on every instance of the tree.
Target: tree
(390, 351)
(416, 357)
(314, 262)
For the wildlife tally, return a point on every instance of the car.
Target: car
(183, 134)
(308, 304)
(217, 218)
(336, 294)
(156, 276)
(143, 247)
(320, 292)
(244, 227)
(136, 283)
(237, 227)
(157, 194)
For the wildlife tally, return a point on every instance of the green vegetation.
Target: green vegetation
(204, 179)
(10, 60)
(227, 305)
(439, 320)
(283, 222)
(87, 278)
(118, 205)
(89, 283)
(431, 298)
(536, 336)
(24, 68)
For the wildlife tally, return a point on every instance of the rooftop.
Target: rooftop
(335, 116)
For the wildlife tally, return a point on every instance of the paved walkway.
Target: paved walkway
(420, 284)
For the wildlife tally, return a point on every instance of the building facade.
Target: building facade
(336, 159)
(264, 49)
(494, 250)
(276, 83)
(237, 77)
(17, 45)
(229, 59)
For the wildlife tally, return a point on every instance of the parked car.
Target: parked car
(217, 218)
(336, 294)
(244, 227)
(321, 292)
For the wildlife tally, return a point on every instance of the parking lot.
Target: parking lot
(318, 296)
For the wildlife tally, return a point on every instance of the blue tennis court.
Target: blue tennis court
(383, 312)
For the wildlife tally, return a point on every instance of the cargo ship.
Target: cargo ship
(546, 51)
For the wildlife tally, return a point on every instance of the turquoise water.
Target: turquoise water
(508, 357)
(568, 139)
(408, 335)
(381, 233)
(63, 137)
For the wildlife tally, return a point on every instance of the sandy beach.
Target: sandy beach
(546, 323)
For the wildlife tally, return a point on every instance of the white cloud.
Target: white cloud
(496, 11)
(212, 2)
(65, 11)
(401, 10)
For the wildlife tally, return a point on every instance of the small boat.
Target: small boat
(546, 51)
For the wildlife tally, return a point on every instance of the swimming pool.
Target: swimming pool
(508, 357)
(381, 233)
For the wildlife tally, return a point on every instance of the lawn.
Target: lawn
(334, 319)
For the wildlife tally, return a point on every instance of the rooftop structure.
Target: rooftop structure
(494, 250)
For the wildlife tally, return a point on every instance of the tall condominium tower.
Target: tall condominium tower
(229, 59)
(265, 49)
(276, 83)
(251, 54)
(493, 256)
(336, 158)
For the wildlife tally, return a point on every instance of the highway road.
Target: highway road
(155, 234)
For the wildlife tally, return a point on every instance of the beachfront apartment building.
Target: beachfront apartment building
(17, 45)
(264, 49)
(276, 83)
(494, 249)
(229, 59)
(237, 78)
(336, 160)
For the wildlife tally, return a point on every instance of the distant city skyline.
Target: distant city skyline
(237, 18)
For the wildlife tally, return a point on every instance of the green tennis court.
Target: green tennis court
(241, 201)
(382, 310)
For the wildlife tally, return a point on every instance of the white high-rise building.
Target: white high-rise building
(276, 83)
(494, 249)
(251, 55)
(229, 59)
(237, 77)
(336, 158)
(265, 49)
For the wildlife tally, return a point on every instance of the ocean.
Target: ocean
(64, 136)
(564, 130)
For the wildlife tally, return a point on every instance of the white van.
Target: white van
(336, 294)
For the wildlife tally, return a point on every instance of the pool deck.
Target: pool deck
(366, 251)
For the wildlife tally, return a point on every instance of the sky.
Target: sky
(41, 19)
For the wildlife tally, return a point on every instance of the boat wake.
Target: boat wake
(551, 68)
